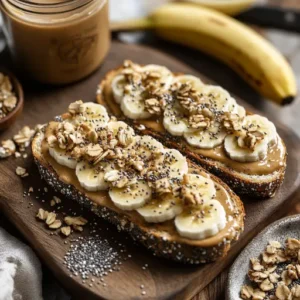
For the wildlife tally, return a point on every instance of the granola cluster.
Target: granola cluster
(8, 99)
(276, 274)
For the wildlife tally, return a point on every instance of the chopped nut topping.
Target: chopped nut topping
(249, 140)
(232, 122)
(153, 106)
(76, 107)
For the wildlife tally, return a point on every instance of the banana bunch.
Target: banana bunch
(230, 41)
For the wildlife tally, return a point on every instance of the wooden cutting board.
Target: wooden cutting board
(162, 279)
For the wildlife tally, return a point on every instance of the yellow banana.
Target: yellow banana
(228, 7)
(236, 44)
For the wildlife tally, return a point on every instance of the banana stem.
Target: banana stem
(132, 25)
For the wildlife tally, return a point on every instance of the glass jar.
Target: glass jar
(56, 41)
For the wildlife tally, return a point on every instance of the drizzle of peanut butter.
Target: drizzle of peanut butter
(234, 213)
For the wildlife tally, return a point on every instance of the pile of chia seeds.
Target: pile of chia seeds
(92, 256)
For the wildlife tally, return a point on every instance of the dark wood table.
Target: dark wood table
(288, 43)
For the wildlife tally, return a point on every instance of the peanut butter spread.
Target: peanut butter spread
(273, 161)
(234, 213)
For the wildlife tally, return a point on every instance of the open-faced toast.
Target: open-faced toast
(172, 206)
(202, 121)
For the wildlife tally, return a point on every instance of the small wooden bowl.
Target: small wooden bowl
(15, 113)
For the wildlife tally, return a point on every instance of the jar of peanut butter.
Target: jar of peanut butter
(56, 41)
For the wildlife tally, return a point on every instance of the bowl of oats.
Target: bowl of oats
(11, 99)
(269, 267)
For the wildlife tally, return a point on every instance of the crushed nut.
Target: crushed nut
(66, 230)
(8, 99)
(42, 214)
(7, 148)
(51, 217)
(79, 221)
(21, 172)
(55, 225)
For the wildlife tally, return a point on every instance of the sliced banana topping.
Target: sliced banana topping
(238, 151)
(174, 121)
(207, 138)
(91, 177)
(174, 163)
(201, 222)
(63, 157)
(93, 115)
(161, 209)
(147, 146)
(131, 197)
(159, 73)
(134, 107)
(194, 81)
(261, 124)
(117, 86)
(197, 189)
(251, 142)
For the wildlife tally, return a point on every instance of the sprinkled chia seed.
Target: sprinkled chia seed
(92, 256)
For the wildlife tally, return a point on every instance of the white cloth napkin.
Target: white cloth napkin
(20, 270)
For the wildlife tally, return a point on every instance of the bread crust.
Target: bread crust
(154, 241)
(249, 186)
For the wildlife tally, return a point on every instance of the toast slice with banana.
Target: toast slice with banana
(171, 205)
(204, 122)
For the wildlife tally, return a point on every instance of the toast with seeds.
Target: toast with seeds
(169, 204)
(204, 122)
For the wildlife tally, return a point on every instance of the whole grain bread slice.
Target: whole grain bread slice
(246, 185)
(156, 240)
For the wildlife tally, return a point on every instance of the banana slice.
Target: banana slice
(115, 127)
(235, 152)
(62, 157)
(200, 186)
(147, 145)
(94, 115)
(133, 107)
(216, 98)
(117, 86)
(174, 120)
(242, 154)
(166, 76)
(208, 138)
(161, 210)
(202, 222)
(91, 177)
(194, 81)
(132, 197)
(263, 125)
(175, 164)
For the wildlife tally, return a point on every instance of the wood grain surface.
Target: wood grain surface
(162, 279)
